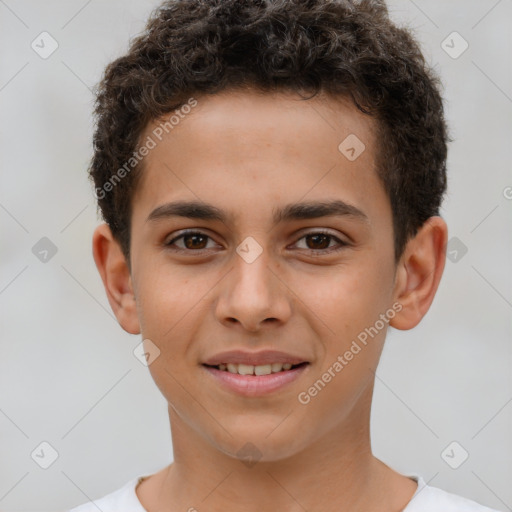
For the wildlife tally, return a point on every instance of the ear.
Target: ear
(116, 278)
(419, 272)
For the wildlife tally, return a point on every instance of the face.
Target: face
(253, 271)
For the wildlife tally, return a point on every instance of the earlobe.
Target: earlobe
(116, 278)
(419, 273)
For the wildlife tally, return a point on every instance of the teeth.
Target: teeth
(249, 369)
(264, 369)
(245, 369)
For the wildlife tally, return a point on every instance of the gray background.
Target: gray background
(67, 372)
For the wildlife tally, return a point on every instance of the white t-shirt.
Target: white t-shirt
(425, 499)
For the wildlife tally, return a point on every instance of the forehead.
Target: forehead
(246, 116)
(247, 147)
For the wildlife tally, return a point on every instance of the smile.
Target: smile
(249, 369)
(257, 380)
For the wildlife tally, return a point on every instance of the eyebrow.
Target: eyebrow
(294, 211)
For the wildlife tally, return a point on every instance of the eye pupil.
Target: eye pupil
(316, 237)
(193, 245)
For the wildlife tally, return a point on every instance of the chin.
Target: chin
(261, 444)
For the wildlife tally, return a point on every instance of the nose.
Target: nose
(253, 296)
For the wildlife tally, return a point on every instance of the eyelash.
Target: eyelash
(341, 243)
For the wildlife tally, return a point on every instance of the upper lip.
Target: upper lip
(254, 358)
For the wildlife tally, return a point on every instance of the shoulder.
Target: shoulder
(432, 499)
(123, 498)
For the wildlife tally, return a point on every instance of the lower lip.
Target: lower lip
(256, 385)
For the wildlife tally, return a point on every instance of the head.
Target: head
(246, 108)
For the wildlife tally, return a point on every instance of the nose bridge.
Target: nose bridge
(252, 293)
(252, 278)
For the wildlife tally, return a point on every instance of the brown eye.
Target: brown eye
(192, 240)
(321, 241)
(318, 240)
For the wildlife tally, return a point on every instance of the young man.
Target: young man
(270, 174)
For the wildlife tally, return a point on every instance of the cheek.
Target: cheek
(168, 310)
(346, 299)
(349, 305)
(166, 297)
(169, 319)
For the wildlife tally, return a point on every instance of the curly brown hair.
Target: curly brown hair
(342, 47)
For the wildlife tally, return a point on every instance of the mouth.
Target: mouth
(257, 370)
(255, 380)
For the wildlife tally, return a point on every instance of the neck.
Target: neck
(335, 472)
